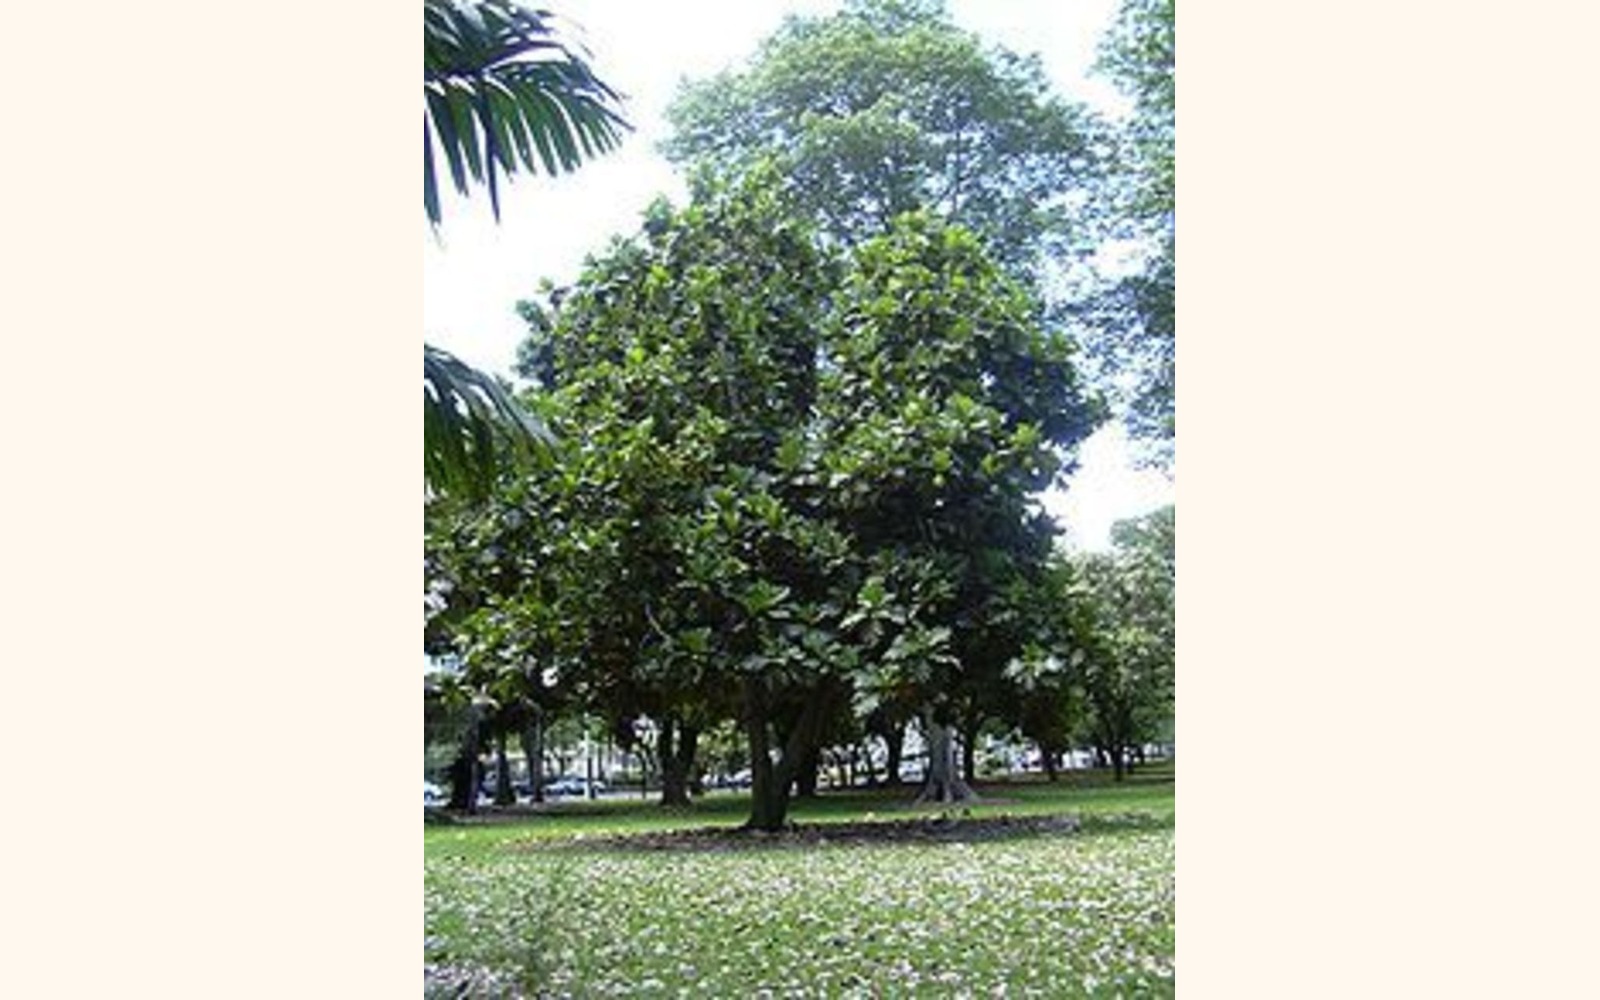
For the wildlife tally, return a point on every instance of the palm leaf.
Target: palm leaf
(472, 429)
(500, 87)
(501, 93)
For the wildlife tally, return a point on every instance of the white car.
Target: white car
(432, 794)
(572, 786)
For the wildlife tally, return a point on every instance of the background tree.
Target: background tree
(1152, 537)
(1135, 319)
(1049, 706)
(887, 107)
(500, 574)
(1116, 622)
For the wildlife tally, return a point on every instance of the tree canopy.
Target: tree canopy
(887, 107)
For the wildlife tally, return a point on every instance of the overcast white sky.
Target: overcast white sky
(474, 271)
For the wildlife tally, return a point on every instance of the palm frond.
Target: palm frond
(472, 428)
(501, 94)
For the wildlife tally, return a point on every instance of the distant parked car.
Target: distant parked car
(432, 794)
(573, 786)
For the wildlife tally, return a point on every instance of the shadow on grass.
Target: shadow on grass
(1085, 792)
(947, 827)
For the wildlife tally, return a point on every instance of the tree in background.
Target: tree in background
(502, 94)
(1135, 319)
(1117, 623)
(887, 107)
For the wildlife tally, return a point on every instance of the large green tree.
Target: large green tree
(502, 94)
(798, 478)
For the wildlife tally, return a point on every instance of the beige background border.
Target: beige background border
(1387, 516)
(211, 501)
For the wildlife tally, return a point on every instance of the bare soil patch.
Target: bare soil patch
(929, 829)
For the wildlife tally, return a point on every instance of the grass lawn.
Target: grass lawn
(530, 906)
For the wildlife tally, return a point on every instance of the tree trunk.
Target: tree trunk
(969, 752)
(895, 742)
(688, 747)
(505, 794)
(1048, 756)
(463, 781)
(769, 779)
(805, 778)
(532, 737)
(675, 761)
(943, 783)
(1117, 767)
(563, 762)
(671, 787)
(769, 798)
(464, 774)
(588, 768)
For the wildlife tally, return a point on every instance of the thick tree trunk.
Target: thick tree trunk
(769, 779)
(769, 798)
(1118, 769)
(505, 794)
(1048, 756)
(943, 783)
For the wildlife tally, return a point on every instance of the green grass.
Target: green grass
(1086, 914)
